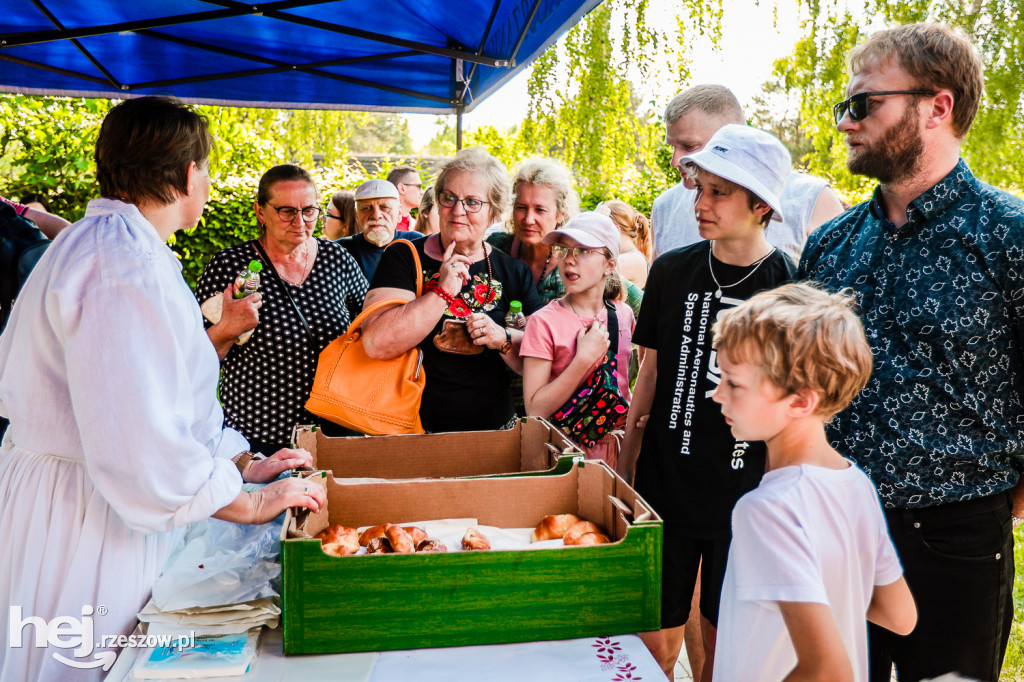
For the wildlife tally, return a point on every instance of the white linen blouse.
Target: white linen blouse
(116, 435)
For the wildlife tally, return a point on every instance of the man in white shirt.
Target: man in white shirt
(691, 118)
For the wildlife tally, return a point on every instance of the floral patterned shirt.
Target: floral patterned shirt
(942, 300)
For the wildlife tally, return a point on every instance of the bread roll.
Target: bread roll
(399, 538)
(579, 528)
(431, 545)
(379, 546)
(339, 540)
(591, 539)
(417, 534)
(370, 534)
(553, 527)
(474, 539)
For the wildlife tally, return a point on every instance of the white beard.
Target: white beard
(378, 236)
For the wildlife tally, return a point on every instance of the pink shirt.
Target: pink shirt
(20, 209)
(551, 335)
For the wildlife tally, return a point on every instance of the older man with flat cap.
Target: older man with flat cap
(377, 215)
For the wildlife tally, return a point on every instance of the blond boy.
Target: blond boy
(811, 560)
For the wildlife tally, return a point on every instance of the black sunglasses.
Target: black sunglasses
(857, 105)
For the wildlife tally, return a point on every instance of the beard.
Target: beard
(378, 235)
(893, 157)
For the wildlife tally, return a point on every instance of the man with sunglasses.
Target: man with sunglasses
(934, 259)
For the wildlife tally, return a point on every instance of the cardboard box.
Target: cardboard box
(532, 445)
(411, 601)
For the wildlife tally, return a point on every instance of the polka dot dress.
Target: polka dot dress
(266, 381)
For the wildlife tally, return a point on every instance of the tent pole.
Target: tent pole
(458, 129)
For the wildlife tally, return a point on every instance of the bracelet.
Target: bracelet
(448, 298)
(1017, 520)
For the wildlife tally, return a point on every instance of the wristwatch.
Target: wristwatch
(506, 347)
(244, 458)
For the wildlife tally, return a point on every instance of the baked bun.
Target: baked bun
(339, 540)
(417, 534)
(370, 534)
(399, 538)
(474, 539)
(379, 546)
(553, 527)
(431, 545)
(579, 528)
(591, 539)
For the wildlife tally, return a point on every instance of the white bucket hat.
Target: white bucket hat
(749, 157)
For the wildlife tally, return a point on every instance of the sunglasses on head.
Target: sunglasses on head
(857, 105)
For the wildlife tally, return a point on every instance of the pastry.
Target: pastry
(553, 527)
(401, 542)
(577, 529)
(339, 540)
(379, 546)
(417, 534)
(431, 545)
(474, 539)
(369, 534)
(591, 539)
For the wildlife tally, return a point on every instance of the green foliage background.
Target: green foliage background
(596, 99)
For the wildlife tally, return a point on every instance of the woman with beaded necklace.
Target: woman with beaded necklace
(458, 322)
(310, 290)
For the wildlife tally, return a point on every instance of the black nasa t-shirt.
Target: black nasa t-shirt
(690, 467)
(463, 392)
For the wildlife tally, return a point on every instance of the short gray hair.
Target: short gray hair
(477, 161)
(554, 175)
(714, 100)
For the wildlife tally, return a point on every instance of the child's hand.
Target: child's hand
(592, 344)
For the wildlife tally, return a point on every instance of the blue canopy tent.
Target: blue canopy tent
(426, 56)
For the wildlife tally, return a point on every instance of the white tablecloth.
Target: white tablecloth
(592, 659)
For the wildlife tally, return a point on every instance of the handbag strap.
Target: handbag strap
(613, 328)
(416, 262)
(273, 270)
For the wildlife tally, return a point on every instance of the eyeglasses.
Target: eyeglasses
(288, 213)
(412, 184)
(577, 252)
(326, 215)
(471, 205)
(857, 105)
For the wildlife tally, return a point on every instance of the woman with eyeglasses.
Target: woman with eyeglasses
(459, 321)
(340, 216)
(310, 290)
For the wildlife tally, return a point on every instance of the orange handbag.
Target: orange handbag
(375, 397)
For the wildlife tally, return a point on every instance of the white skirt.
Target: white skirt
(65, 553)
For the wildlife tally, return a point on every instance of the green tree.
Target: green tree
(816, 72)
(443, 141)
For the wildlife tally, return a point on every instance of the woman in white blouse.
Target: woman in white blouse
(116, 439)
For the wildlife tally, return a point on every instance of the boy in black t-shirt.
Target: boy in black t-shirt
(686, 462)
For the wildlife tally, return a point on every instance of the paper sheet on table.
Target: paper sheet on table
(215, 620)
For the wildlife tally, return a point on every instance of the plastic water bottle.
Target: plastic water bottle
(515, 318)
(248, 280)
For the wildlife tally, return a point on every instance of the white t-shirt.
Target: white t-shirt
(805, 534)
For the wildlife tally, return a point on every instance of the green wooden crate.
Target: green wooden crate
(381, 602)
(532, 446)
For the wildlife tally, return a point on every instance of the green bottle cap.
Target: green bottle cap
(515, 307)
(255, 266)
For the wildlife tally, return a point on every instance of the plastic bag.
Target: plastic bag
(219, 562)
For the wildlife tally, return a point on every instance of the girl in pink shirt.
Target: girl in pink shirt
(567, 341)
